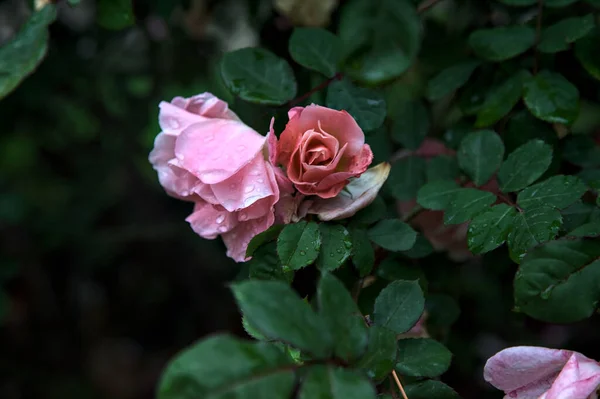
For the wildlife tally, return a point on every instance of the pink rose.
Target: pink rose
(528, 372)
(321, 149)
(206, 155)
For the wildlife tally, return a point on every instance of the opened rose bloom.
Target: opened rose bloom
(206, 155)
(528, 372)
(321, 149)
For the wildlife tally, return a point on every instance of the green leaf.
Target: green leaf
(393, 235)
(422, 357)
(429, 390)
(342, 318)
(380, 357)
(20, 56)
(260, 239)
(381, 39)
(115, 14)
(329, 382)
(582, 151)
(258, 76)
(488, 230)
(559, 282)
(411, 125)
(392, 269)
(298, 244)
(421, 249)
(523, 127)
(372, 213)
(443, 167)
(467, 203)
(557, 37)
(524, 165)
(316, 49)
(450, 79)
(532, 227)
(399, 306)
(275, 310)
(480, 154)
(591, 229)
(577, 215)
(558, 191)
(502, 99)
(363, 254)
(406, 177)
(265, 265)
(437, 195)
(223, 367)
(499, 44)
(585, 51)
(367, 106)
(552, 98)
(251, 331)
(336, 246)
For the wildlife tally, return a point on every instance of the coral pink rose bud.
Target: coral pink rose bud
(206, 155)
(528, 372)
(321, 149)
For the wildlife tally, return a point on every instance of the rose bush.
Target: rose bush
(206, 155)
(527, 372)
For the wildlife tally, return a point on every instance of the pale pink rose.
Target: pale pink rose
(321, 149)
(206, 155)
(527, 372)
(449, 238)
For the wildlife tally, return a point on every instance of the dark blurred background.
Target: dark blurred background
(102, 279)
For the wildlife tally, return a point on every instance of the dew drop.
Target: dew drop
(173, 123)
(302, 253)
(220, 219)
(260, 180)
(249, 189)
(339, 251)
(243, 216)
(331, 254)
(222, 229)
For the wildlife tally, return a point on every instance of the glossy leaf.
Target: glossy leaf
(316, 49)
(329, 382)
(488, 230)
(552, 98)
(443, 167)
(380, 357)
(299, 244)
(437, 195)
(20, 56)
(222, 367)
(480, 155)
(499, 44)
(532, 227)
(558, 191)
(502, 99)
(450, 79)
(342, 318)
(422, 357)
(336, 246)
(265, 265)
(393, 235)
(559, 282)
(367, 106)
(259, 76)
(585, 51)
(276, 311)
(429, 390)
(363, 254)
(399, 306)
(524, 165)
(467, 203)
(557, 37)
(260, 239)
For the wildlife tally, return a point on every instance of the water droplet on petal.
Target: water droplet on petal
(173, 123)
(260, 180)
(222, 229)
(243, 216)
(220, 219)
(249, 189)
